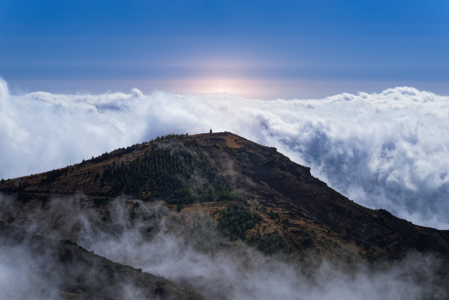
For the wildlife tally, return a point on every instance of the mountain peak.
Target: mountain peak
(218, 169)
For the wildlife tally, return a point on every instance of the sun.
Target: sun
(232, 86)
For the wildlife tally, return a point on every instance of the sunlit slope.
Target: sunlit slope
(254, 193)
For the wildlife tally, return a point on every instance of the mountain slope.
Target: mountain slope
(252, 191)
(71, 272)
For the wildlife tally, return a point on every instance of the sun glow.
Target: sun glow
(230, 86)
(234, 86)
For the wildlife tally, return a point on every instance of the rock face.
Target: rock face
(283, 207)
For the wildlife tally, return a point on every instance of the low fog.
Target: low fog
(20, 276)
(188, 249)
(386, 150)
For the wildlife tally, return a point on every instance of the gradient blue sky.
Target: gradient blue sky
(259, 48)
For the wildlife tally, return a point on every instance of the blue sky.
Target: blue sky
(264, 49)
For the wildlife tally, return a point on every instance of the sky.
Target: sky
(356, 90)
(382, 150)
(257, 49)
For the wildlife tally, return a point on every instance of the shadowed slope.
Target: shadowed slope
(79, 274)
(293, 211)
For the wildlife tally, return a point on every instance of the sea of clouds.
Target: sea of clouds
(386, 150)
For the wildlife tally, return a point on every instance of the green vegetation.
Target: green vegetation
(22, 186)
(53, 175)
(236, 220)
(384, 222)
(383, 218)
(231, 151)
(271, 243)
(179, 171)
(129, 149)
(274, 216)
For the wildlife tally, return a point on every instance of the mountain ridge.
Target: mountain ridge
(312, 219)
(82, 274)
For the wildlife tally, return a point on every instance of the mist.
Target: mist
(385, 150)
(197, 258)
(21, 276)
(188, 249)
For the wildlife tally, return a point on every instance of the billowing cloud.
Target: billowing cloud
(386, 150)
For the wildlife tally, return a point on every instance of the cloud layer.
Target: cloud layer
(386, 150)
(188, 249)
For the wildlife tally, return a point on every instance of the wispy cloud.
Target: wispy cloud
(188, 250)
(386, 150)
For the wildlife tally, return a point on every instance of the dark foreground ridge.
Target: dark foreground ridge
(253, 192)
(83, 275)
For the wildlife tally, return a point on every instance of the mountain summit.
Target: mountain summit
(252, 192)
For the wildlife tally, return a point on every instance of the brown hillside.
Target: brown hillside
(310, 218)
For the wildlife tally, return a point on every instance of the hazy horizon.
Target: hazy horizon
(356, 90)
(256, 49)
(382, 150)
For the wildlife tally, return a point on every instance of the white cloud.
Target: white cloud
(386, 150)
(196, 256)
(21, 276)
